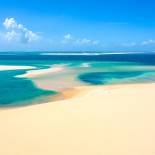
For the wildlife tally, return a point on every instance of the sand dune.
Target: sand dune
(111, 120)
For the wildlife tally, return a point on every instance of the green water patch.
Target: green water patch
(102, 78)
(17, 91)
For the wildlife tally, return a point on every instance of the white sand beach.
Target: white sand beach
(8, 67)
(104, 120)
(41, 72)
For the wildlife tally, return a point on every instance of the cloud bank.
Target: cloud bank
(16, 36)
(69, 39)
(17, 32)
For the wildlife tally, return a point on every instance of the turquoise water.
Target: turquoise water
(78, 70)
(16, 91)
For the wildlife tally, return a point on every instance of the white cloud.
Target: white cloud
(17, 32)
(132, 44)
(11, 35)
(140, 43)
(148, 42)
(68, 38)
(85, 41)
(10, 23)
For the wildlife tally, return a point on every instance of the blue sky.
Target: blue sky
(78, 25)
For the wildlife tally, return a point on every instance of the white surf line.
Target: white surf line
(10, 67)
(85, 65)
(89, 53)
(70, 54)
(40, 72)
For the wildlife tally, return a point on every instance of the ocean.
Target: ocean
(64, 70)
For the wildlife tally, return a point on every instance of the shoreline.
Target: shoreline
(77, 92)
(80, 91)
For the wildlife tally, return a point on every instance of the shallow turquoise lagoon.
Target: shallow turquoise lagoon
(15, 91)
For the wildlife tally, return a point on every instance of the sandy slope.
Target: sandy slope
(111, 120)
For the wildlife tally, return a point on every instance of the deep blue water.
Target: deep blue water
(100, 78)
(146, 58)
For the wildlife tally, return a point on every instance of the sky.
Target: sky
(77, 25)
